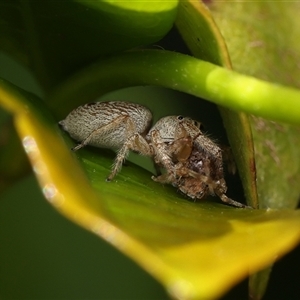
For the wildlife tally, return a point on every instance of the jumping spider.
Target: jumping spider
(192, 162)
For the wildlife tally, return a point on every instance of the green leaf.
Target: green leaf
(200, 33)
(54, 38)
(262, 39)
(134, 221)
(196, 250)
(256, 50)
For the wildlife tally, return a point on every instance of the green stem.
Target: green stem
(183, 73)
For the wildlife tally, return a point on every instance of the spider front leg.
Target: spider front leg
(232, 202)
(180, 171)
(170, 155)
(220, 189)
(162, 157)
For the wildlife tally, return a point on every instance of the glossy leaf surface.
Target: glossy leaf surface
(162, 231)
(197, 250)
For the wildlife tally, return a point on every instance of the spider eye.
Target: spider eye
(180, 117)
